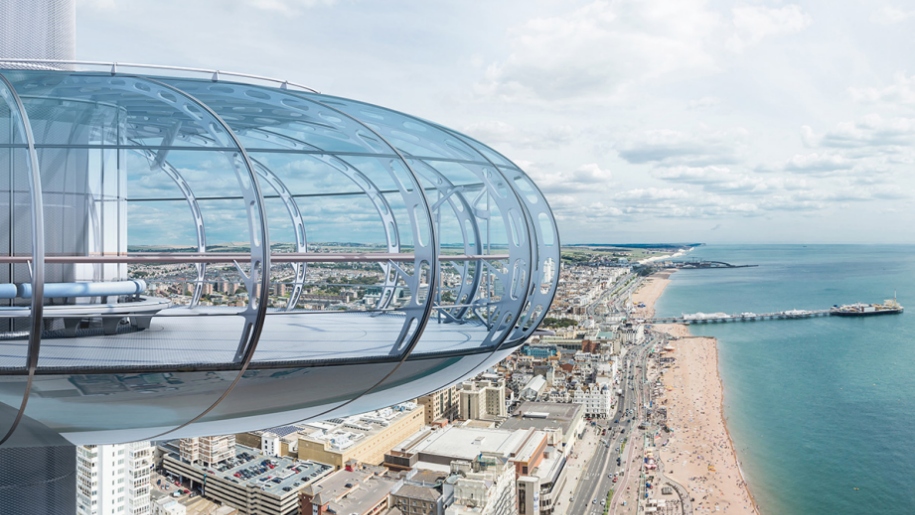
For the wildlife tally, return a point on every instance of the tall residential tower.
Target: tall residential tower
(113, 479)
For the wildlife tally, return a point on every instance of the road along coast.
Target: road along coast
(698, 453)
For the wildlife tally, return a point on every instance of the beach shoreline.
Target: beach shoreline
(700, 443)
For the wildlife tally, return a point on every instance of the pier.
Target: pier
(703, 265)
(717, 318)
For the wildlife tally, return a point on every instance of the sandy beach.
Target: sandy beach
(698, 453)
(648, 293)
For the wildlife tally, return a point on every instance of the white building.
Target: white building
(597, 400)
(528, 495)
(208, 450)
(113, 479)
(270, 444)
(632, 334)
(608, 369)
(168, 506)
(483, 399)
(533, 388)
(486, 486)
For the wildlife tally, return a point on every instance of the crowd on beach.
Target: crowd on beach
(698, 452)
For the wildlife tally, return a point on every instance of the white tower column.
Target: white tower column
(38, 29)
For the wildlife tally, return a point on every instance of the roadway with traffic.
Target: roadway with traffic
(621, 433)
(596, 479)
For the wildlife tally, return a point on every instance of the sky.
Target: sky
(642, 121)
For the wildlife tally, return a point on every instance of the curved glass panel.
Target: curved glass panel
(327, 163)
(16, 220)
(402, 256)
(420, 376)
(131, 169)
(413, 378)
(545, 234)
(276, 396)
(138, 406)
(474, 207)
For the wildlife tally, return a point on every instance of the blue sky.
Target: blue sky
(685, 120)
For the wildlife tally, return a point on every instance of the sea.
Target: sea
(821, 410)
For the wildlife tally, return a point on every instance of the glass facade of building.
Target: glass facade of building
(190, 255)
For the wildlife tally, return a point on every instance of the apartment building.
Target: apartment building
(208, 450)
(441, 404)
(113, 479)
(483, 399)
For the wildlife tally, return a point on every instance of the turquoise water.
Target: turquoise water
(816, 407)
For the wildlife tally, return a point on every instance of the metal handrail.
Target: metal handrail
(113, 66)
(180, 258)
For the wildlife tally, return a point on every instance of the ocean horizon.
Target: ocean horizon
(821, 410)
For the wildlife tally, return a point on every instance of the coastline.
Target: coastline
(699, 452)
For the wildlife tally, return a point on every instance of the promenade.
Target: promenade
(581, 459)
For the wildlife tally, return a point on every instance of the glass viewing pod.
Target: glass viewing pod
(194, 252)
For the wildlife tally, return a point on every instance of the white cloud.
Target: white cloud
(98, 4)
(753, 23)
(871, 131)
(670, 147)
(652, 194)
(889, 15)
(652, 90)
(706, 102)
(287, 6)
(596, 51)
(695, 175)
(587, 178)
(817, 163)
(722, 180)
(902, 91)
(808, 137)
(677, 203)
(494, 132)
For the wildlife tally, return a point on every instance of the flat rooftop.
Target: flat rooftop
(466, 443)
(250, 467)
(531, 444)
(543, 415)
(343, 433)
(354, 491)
